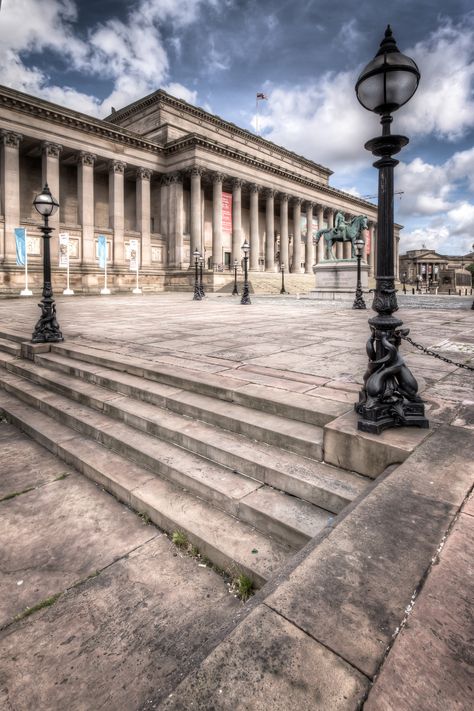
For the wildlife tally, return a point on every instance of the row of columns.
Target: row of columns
(172, 212)
(10, 180)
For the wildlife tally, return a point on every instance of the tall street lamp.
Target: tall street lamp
(47, 328)
(282, 269)
(359, 302)
(235, 291)
(197, 291)
(245, 293)
(201, 285)
(389, 397)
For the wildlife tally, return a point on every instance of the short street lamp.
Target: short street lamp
(245, 293)
(404, 282)
(359, 302)
(389, 397)
(47, 329)
(282, 269)
(201, 285)
(235, 291)
(197, 291)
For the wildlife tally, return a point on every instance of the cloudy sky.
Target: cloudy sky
(305, 55)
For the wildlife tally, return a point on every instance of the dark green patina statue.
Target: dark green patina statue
(342, 232)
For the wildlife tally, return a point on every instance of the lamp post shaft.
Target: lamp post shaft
(359, 302)
(282, 290)
(235, 291)
(197, 290)
(245, 293)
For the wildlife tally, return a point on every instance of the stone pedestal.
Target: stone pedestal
(338, 279)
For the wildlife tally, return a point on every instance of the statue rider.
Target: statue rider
(339, 224)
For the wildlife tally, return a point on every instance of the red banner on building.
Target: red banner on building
(227, 212)
(367, 241)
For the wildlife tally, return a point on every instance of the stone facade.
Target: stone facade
(159, 171)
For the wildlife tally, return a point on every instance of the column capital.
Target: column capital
(296, 200)
(86, 158)
(284, 197)
(196, 171)
(237, 182)
(270, 192)
(11, 139)
(117, 166)
(310, 205)
(254, 188)
(52, 150)
(218, 178)
(144, 173)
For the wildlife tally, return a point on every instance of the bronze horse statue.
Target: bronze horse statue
(342, 232)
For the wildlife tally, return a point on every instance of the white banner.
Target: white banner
(133, 255)
(64, 249)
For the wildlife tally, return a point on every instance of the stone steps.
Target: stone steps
(294, 406)
(234, 464)
(9, 346)
(228, 542)
(295, 436)
(319, 484)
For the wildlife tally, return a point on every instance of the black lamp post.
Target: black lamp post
(201, 284)
(404, 282)
(47, 329)
(359, 302)
(235, 290)
(282, 269)
(389, 397)
(197, 291)
(245, 293)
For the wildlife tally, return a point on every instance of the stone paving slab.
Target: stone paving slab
(431, 665)
(268, 664)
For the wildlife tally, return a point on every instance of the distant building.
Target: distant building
(430, 269)
(169, 175)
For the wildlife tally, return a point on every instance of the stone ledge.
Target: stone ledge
(368, 454)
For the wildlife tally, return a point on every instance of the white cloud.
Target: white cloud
(443, 104)
(181, 92)
(426, 188)
(131, 53)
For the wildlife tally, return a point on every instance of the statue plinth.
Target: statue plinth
(337, 279)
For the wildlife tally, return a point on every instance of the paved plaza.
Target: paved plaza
(97, 647)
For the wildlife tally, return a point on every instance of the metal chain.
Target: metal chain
(435, 355)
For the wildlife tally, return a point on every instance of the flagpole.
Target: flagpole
(26, 291)
(256, 118)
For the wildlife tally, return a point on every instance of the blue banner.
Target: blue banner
(20, 240)
(102, 250)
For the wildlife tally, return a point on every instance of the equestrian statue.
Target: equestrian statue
(341, 232)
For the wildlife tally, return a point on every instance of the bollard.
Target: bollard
(449, 292)
(413, 291)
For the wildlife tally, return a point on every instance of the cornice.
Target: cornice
(193, 140)
(32, 106)
(161, 96)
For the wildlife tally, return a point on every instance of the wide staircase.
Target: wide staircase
(236, 466)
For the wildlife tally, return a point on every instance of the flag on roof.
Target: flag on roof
(262, 96)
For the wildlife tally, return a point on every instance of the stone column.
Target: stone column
(85, 190)
(374, 249)
(217, 180)
(196, 219)
(237, 220)
(254, 229)
(309, 252)
(396, 257)
(320, 250)
(10, 167)
(270, 230)
(117, 209)
(50, 175)
(296, 260)
(143, 177)
(284, 247)
(175, 221)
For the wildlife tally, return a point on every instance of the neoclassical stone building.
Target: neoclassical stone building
(170, 175)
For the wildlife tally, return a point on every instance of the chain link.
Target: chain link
(435, 355)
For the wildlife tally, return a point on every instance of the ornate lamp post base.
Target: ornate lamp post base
(47, 327)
